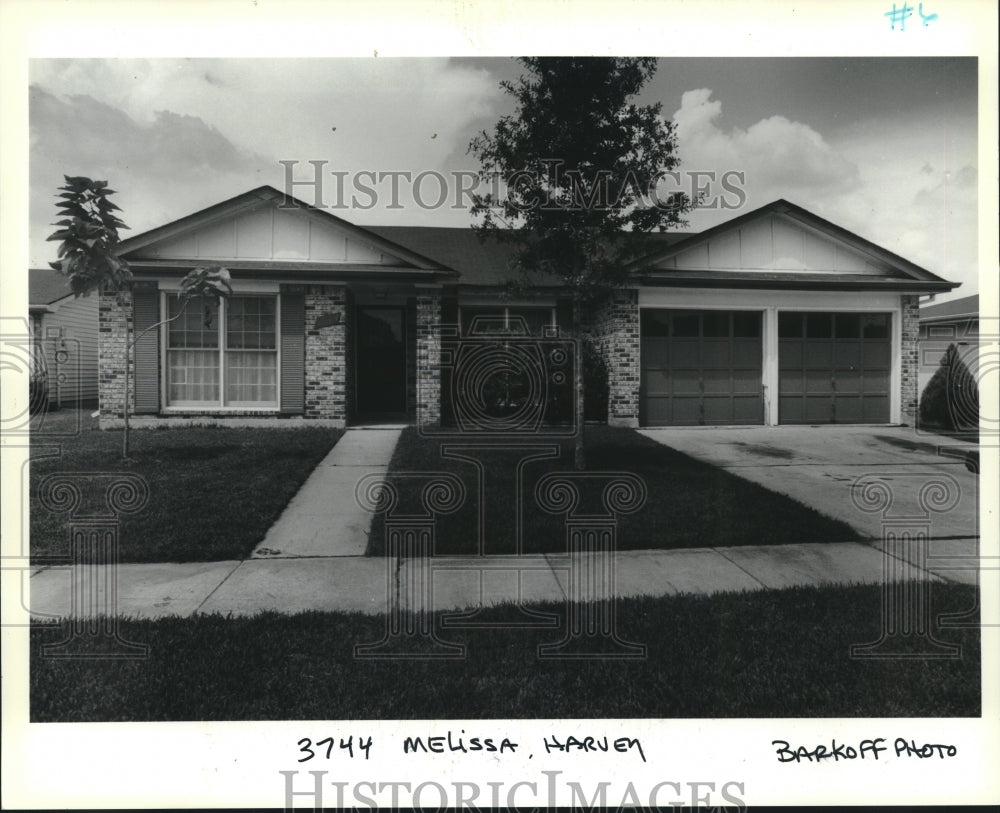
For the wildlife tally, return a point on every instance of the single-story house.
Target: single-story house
(64, 330)
(774, 317)
(943, 324)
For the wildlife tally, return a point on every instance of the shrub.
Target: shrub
(951, 398)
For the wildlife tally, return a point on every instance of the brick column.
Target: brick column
(114, 327)
(429, 359)
(616, 331)
(326, 359)
(909, 359)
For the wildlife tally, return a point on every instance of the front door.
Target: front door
(381, 361)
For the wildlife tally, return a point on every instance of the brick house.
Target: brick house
(776, 316)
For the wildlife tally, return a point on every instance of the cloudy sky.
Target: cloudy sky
(885, 147)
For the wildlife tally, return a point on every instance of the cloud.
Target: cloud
(176, 135)
(781, 158)
(905, 182)
(174, 155)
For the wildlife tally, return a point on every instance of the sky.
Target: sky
(885, 147)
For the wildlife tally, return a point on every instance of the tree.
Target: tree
(950, 400)
(582, 163)
(88, 257)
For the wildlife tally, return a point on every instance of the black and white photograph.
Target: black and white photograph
(520, 422)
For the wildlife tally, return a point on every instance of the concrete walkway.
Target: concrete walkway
(363, 584)
(324, 518)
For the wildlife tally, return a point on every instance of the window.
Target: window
(516, 321)
(223, 353)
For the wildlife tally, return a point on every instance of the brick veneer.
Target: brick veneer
(909, 358)
(615, 331)
(326, 362)
(114, 325)
(428, 359)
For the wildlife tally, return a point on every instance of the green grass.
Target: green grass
(690, 504)
(213, 491)
(767, 654)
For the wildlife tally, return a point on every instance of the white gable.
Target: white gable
(270, 233)
(774, 243)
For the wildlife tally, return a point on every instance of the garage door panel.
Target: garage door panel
(790, 382)
(686, 411)
(747, 353)
(657, 409)
(718, 410)
(848, 382)
(848, 410)
(818, 409)
(685, 382)
(876, 354)
(875, 408)
(748, 409)
(847, 354)
(791, 408)
(877, 382)
(818, 382)
(656, 383)
(683, 353)
(790, 353)
(818, 354)
(747, 382)
(715, 353)
(717, 382)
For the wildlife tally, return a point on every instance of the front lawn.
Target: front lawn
(690, 504)
(213, 491)
(768, 654)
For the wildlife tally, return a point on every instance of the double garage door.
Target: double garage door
(705, 367)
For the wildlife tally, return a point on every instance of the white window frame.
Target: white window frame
(506, 308)
(187, 407)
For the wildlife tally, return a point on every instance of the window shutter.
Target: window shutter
(293, 352)
(564, 315)
(146, 353)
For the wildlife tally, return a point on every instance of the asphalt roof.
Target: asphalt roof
(964, 306)
(480, 262)
(46, 286)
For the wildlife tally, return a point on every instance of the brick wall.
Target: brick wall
(615, 331)
(909, 359)
(429, 359)
(326, 361)
(113, 328)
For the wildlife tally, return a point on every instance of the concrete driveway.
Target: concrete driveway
(873, 478)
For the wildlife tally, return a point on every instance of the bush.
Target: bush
(951, 398)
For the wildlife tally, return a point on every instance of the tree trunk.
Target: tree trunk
(128, 376)
(579, 455)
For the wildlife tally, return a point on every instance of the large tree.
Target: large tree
(583, 165)
(88, 256)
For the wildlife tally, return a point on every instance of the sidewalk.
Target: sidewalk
(324, 518)
(363, 584)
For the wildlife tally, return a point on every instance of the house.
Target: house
(943, 324)
(775, 317)
(64, 329)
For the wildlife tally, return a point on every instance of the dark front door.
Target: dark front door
(381, 361)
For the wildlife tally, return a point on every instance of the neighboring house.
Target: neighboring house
(946, 323)
(774, 317)
(64, 327)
